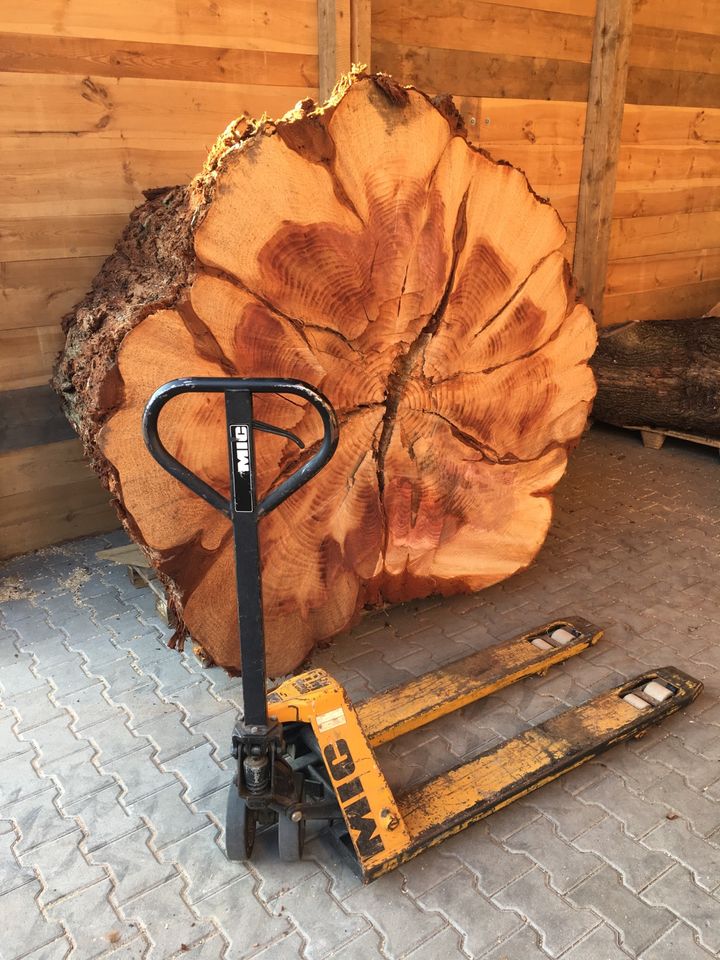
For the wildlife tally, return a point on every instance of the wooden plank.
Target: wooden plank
(27, 355)
(641, 198)
(474, 25)
(645, 124)
(30, 418)
(84, 105)
(678, 303)
(672, 88)
(275, 25)
(334, 43)
(360, 32)
(56, 174)
(582, 8)
(667, 162)
(695, 15)
(527, 122)
(40, 292)
(667, 233)
(155, 61)
(660, 49)
(608, 73)
(49, 494)
(641, 273)
(62, 235)
(469, 73)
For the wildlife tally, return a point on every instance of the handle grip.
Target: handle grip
(226, 385)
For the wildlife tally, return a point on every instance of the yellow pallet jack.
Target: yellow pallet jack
(304, 752)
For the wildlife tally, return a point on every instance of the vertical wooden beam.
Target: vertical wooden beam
(334, 56)
(360, 48)
(606, 100)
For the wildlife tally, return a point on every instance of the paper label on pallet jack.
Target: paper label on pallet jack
(330, 720)
(242, 472)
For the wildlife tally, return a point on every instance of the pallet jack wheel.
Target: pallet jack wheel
(291, 839)
(240, 825)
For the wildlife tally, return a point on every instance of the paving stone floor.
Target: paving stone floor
(114, 758)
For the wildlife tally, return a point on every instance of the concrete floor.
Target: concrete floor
(114, 758)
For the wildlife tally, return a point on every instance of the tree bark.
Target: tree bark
(368, 248)
(660, 373)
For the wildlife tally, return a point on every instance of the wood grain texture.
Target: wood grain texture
(360, 32)
(275, 25)
(467, 72)
(677, 303)
(694, 16)
(666, 270)
(36, 292)
(27, 355)
(474, 25)
(60, 236)
(48, 494)
(664, 234)
(603, 121)
(97, 57)
(334, 43)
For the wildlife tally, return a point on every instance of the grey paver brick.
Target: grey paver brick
(199, 771)
(218, 731)
(321, 920)
(701, 857)
(57, 950)
(169, 736)
(133, 866)
(246, 924)
(679, 941)
(565, 865)
(612, 794)
(402, 923)
(492, 863)
(676, 891)
(166, 919)
(13, 873)
(103, 816)
(62, 867)
(700, 811)
(481, 922)
(600, 944)
(89, 706)
(17, 677)
(422, 873)
(54, 739)
(167, 814)
(18, 777)
(137, 773)
(38, 819)
(559, 924)
(203, 863)
(91, 921)
(637, 865)
(24, 927)
(567, 812)
(699, 771)
(446, 945)
(37, 707)
(522, 945)
(638, 923)
(114, 739)
(76, 775)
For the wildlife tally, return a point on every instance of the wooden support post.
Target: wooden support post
(360, 48)
(606, 98)
(334, 57)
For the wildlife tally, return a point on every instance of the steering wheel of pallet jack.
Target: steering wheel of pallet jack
(240, 825)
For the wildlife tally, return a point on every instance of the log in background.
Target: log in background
(367, 248)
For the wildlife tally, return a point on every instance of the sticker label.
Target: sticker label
(330, 720)
(242, 473)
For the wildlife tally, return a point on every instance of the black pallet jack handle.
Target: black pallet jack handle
(243, 508)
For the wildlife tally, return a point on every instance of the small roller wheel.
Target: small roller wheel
(291, 838)
(240, 824)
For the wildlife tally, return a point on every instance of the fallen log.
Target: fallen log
(660, 373)
(366, 247)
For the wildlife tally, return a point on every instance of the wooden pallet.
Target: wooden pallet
(654, 437)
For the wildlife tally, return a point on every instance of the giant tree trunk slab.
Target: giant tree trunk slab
(368, 248)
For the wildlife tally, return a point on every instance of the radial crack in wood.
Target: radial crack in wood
(368, 248)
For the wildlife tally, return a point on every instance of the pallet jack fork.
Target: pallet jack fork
(304, 752)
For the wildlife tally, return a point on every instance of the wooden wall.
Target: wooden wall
(520, 71)
(100, 99)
